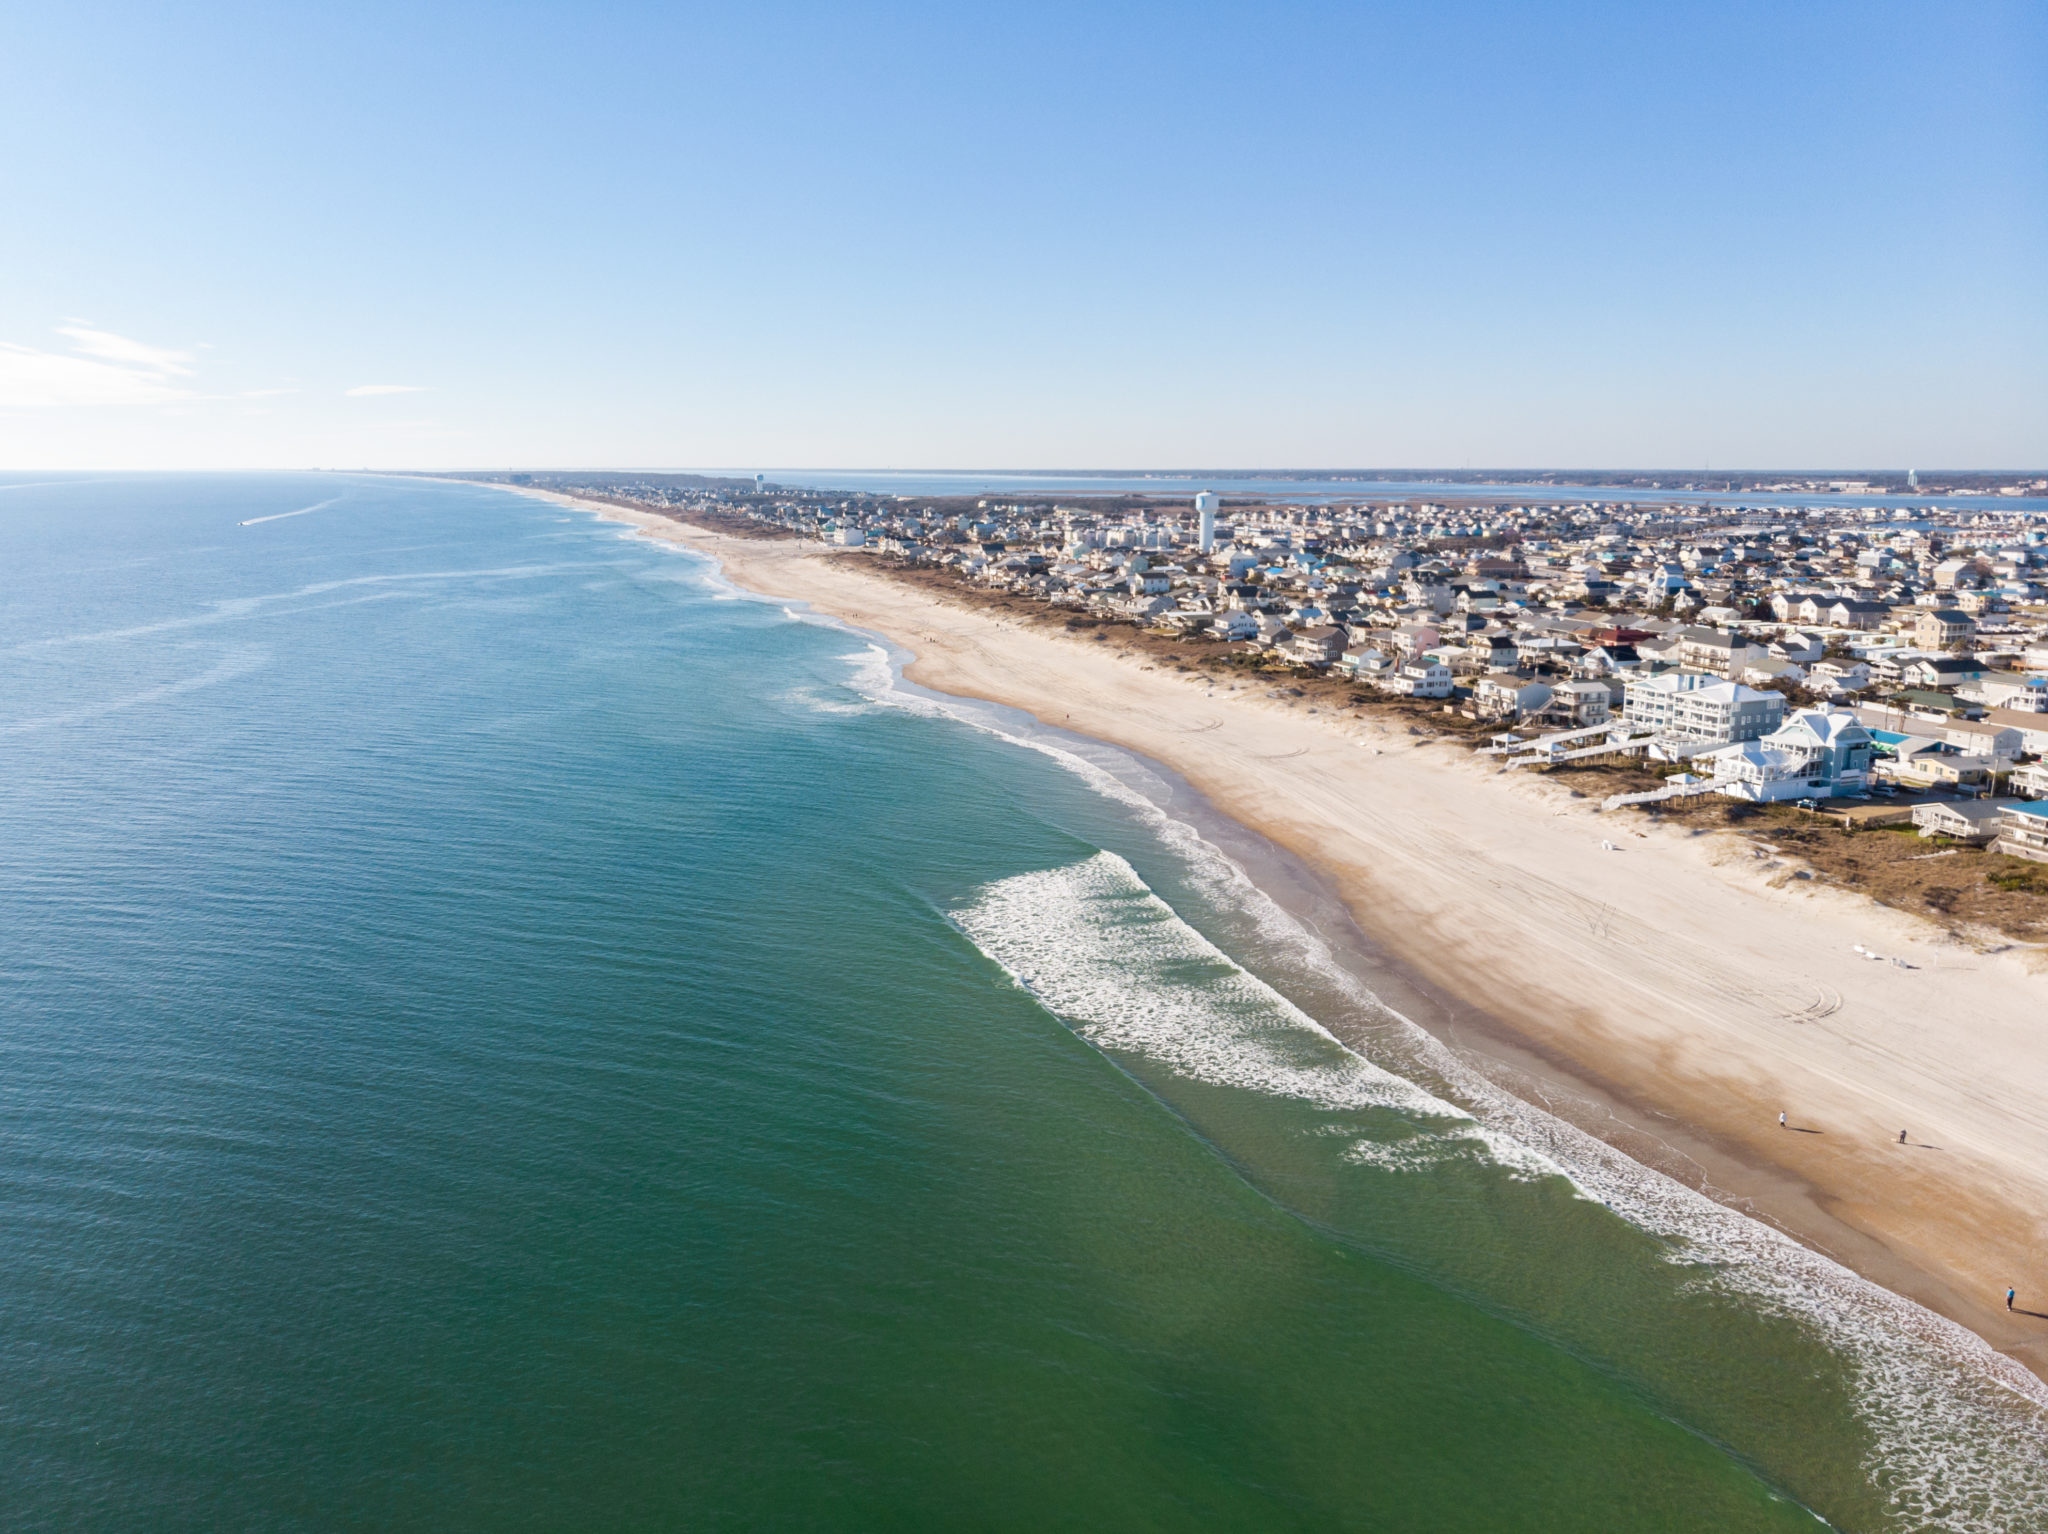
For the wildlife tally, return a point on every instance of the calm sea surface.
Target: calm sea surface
(1355, 491)
(500, 1031)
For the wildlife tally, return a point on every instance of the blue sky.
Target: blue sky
(1044, 235)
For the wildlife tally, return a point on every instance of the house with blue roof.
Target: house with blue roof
(2023, 831)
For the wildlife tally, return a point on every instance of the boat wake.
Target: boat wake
(279, 516)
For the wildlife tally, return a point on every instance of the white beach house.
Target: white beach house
(2031, 780)
(1963, 820)
(1420, 678)
(2023, 831)
(1695, 706)
(1816, 754)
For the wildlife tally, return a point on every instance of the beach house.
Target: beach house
(1366, 663)
(1940, 627)
(2014, 690)
(1694, 706)
(1919, 761)
(2023, 831)
(1848, 613)
(1940, 672)
(1815, 754)
(1606, 660)
(1983, 738)
(1578, 704)
(1504, 695)
(1838, 676)
(1234, 623)
(1420, 678)
(2032, 728)
(1964, 820)
(1798, 606)
(1724, 654)
(1492, 652)
(1314, 646)
(1414, 638)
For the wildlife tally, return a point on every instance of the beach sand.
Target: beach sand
(1672, 994)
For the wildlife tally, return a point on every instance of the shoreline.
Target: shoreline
(1574, 976)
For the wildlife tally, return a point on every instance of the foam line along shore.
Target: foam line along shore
(1670, 979)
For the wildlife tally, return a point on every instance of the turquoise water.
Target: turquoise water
(498, 1030)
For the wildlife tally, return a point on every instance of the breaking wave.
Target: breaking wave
(1100, 949)
(1096, 946)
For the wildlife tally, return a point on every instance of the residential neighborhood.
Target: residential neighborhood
(1765, 652)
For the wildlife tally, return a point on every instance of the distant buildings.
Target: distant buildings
(1683, 631)
(1207, 503)
(1943, 627)
(1715, 650)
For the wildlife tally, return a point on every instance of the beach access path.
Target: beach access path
(1692, 993)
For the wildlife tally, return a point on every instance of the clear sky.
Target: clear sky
(1030, 235)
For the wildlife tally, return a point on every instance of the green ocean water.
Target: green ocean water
(498, 1030)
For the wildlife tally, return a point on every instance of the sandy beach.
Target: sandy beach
(1668, 991)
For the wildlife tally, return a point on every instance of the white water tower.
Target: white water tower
(1205, 512)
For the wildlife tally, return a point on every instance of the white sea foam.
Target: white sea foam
(1099, 948)
(701, 570)
(872, 678)
(1955, 1423)
(1956, 1426)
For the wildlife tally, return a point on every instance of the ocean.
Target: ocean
(1893, 508)
(500, 1029)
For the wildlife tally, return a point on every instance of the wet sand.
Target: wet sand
(1671, 995)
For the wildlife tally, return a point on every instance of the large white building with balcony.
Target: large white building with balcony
(1691, 705)
(2023, 831)
(1816, 754)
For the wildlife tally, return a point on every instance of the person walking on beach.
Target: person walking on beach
(1902, 1137)
(2008, 1298)
(1781, 1121)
